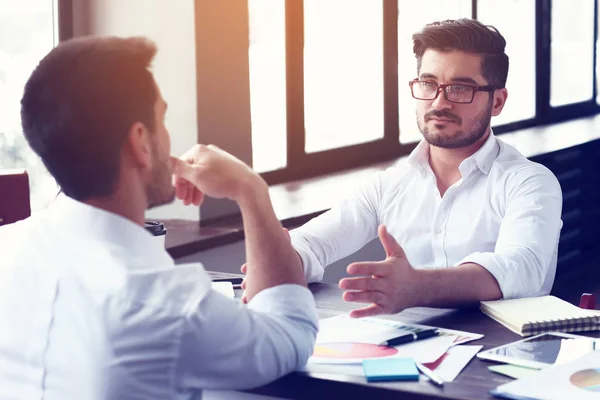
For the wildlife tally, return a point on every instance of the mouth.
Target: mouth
(441, 120)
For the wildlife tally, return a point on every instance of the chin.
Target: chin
(161, 199)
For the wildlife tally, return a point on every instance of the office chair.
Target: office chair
(14, 196)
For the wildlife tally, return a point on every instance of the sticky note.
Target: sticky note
(390, 369)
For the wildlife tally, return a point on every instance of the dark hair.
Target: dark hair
(470, 36)
(79, 104)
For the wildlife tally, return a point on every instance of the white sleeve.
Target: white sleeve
(339, 232)
(523, 257)
(228, 345)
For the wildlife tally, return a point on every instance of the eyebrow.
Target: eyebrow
(462, 79)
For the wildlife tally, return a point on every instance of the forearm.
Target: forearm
(460, 286)
(270, 257)
(332, 236)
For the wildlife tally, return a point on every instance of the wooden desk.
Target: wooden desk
(473, 383)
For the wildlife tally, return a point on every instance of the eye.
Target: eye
(428, 85)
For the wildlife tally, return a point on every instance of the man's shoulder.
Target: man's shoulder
(398, 173)
(514, 170)
(20, 238)
(511, 162)
(105, 271)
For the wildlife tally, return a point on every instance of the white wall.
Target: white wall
(170, 24)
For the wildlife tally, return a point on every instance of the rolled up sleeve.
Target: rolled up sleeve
(339, 232)
(524, 258)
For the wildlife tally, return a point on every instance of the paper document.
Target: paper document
(453, 361)
(579, 379)
(342, 328)
(345, 340)
(225, 288)
(447, 368)
(512, 371)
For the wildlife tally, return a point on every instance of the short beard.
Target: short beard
(462, 138)
(160, 190)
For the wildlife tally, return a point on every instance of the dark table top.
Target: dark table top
(474, 382)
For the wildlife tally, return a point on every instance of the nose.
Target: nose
(440, 102)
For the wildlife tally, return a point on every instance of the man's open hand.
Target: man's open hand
(389, 285)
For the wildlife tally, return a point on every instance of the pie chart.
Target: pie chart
(342, 351)
(588, 379)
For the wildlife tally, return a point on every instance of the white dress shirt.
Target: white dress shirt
(92, 308)
(503, 214)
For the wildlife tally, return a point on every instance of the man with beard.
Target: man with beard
(90, 306)
(467, 218)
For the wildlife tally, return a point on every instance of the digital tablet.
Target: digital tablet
(542, 350)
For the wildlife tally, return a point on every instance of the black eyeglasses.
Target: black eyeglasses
(454, 92)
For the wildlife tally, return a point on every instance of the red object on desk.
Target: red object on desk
(14, 196)
(588, 301)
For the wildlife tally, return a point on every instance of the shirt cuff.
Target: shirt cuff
(313, 270)
(285, 299)
(498, 268)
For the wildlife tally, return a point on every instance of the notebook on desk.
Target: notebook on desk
(534, 315)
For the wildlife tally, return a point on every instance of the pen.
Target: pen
(436, 380)
(410, 337)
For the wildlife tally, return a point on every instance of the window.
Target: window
(572, 47)
(515, 20)
(343, 73)
(343, 100)
(28, 31)
(267, 83)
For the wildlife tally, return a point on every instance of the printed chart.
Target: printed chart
(588, 379)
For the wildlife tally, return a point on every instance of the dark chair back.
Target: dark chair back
(14, 196)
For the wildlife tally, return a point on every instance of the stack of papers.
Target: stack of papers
(343, 343)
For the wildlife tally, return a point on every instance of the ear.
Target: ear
(500, 96)
(140, 146)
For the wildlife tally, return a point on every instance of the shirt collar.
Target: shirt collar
(482, 159)
(93, 222)
(419, 157)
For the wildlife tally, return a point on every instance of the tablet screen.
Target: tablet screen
(547, 349)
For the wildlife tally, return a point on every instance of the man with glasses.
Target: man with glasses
(467, 218)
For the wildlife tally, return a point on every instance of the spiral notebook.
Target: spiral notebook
(534, 315)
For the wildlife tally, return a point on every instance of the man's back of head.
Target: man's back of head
(78, 107)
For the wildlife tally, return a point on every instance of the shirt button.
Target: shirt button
(438, 231)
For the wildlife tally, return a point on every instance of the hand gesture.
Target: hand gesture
(389, 284)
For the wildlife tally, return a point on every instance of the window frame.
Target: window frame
(302, 165)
